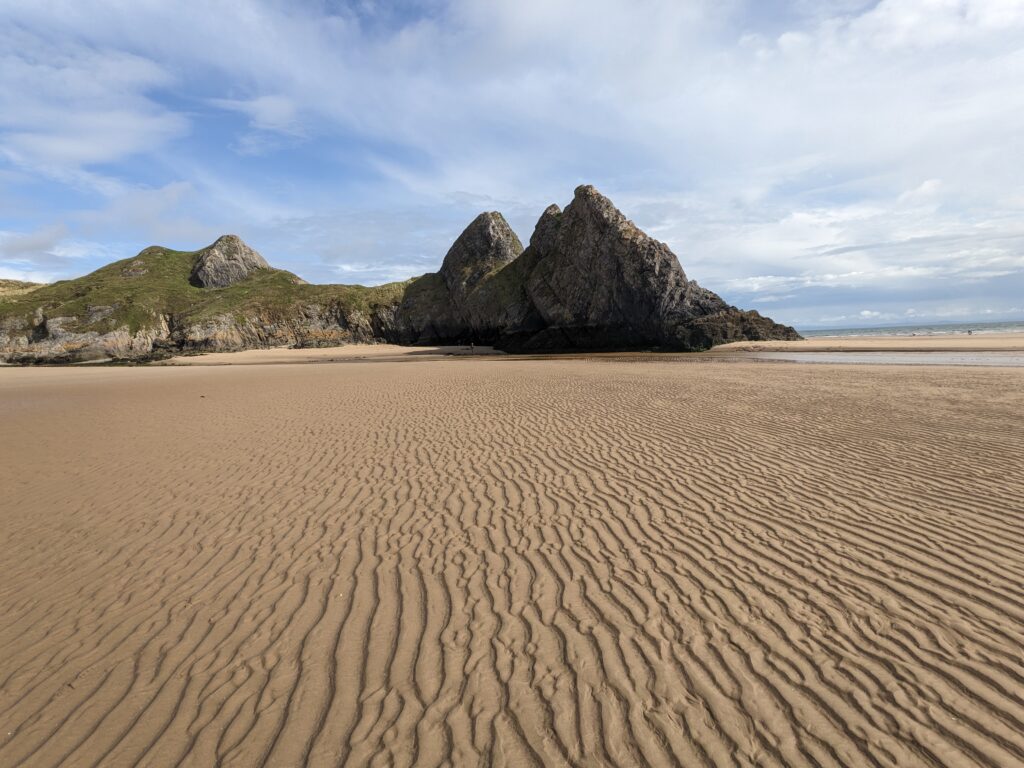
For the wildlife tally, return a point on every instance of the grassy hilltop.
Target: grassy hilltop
(16, 288)
(134, 293)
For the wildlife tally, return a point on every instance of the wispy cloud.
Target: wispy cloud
(67, 107)
(797, 154)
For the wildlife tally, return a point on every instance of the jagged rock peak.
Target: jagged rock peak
(485, 246)
(547, 227)
(226, 262)
(599, 280)
(587, 199)
(587, 194)
(589, 211)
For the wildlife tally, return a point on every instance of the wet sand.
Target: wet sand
(999, 359)
(979, 342)
(347, 353)
(496, 561)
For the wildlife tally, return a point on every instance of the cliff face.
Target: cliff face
(64, 340)
(589, 279)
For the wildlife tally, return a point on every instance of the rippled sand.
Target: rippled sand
(512, 562)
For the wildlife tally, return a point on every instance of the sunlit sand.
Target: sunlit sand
(512, 562)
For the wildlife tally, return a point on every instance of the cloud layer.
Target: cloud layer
(828, 162)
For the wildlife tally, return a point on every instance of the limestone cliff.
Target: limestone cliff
(589, 279)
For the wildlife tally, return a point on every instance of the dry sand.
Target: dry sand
(512, 562)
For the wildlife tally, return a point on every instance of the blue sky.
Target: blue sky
(828, 163)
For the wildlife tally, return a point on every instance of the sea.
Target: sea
(937, 329)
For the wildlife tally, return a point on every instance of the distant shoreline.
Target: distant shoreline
(992, 349)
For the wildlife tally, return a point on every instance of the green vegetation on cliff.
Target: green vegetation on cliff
(134, 293)
(590, 279)
(16, 287)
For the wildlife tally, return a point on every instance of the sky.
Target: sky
(831, 163)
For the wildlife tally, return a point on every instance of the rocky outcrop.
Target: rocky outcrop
(589, 279)
(311, 325)
(443, 306)
(485, 246)
(600, 281)
(49, 340)
(226, 262)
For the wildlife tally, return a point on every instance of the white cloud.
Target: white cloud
(66, 106)
(274, 120)
(24, 247)
(785, 150)
(160, 214)
(27, 276)
(46, 254)
(267, 113)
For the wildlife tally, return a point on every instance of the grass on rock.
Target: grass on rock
(135, 292)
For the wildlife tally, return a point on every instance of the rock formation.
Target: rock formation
(485, 246)
(226, 262)
(444, 306)
(589, 279)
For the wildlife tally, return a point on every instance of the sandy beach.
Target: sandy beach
(455, 561)
(348, 353)
(981, 342)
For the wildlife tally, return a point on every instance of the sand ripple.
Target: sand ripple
(512, 563)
